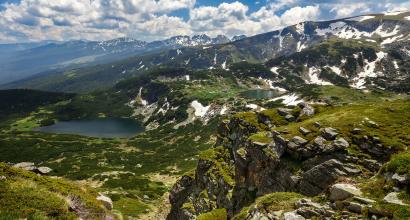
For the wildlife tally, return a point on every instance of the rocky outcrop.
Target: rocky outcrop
(29, 166)
(242, 167)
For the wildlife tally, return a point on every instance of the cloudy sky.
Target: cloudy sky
(36, 20)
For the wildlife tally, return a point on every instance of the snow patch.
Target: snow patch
(393, 13)
(300, 28)
(290, 99)
(254, 107)
(143, 102)
(391, 39)
(368, 71)
(187, 78)
(179, 52)
(314, 77)
(336, 69)
(224, 65)
(274, 70)
(200, 110)
(223, 110)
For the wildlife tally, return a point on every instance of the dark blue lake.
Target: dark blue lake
(102, 128)
(260, 94)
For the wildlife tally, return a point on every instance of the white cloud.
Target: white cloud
(33, 20)
(346, 10)
(298, 14)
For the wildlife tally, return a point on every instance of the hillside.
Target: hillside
(382, 31)
(307, 122)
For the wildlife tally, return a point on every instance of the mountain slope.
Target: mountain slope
(383, 32)
(22, 60)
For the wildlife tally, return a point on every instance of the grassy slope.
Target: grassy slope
(24, 194)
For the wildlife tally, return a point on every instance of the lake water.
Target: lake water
(102, 128)
(260, 94)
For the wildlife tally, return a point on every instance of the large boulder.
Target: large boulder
(342, 191)
(306, 109)
(329, 133)
(320, 177)
(26, 166)
(393, 198)
(43, 170)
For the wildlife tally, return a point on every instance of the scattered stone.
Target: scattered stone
(342, 191)
(284, 111)
(299, 141)
(356, 131)
(372, 123)
(372, 165)
(304, 131)
(394, 199)
(329, 133)
(401, 179)
(107, 202)
(306, 109)
(25, 165)
(317, 124)
(363, 200)
(292, 216)
(354, 207)
(290, 117)
(3, 177)
(43, 170)
(341, 143)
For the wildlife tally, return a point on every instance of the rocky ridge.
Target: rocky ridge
(255, 159)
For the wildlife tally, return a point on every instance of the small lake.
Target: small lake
(260, 94)
(101, 128)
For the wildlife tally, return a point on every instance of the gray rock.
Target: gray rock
(317, 124)
(43, 170)
(292, 216)
(299, 141)
(307, 110)
(357, 131)
(304, 131)
(355, 207)
(343, 191)
(284, 111)
(107, 202)
(341, 143)
(401, 179)
(3, 178)
(363, 200)
(329, 133)
(319, 141)
(25, 165)
(318, 178)
(393, 199)
(290, 117)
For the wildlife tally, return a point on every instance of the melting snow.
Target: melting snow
(291, 99)
(143, 102)
(142, 66)
(314, 77)
(215, 58)
(254, 107)
(300, 28)
(274, 70)
(368, 71)
(200, 110)
(179, 52)
(391, 39)
(224, 65)
(187, 61)
(336, 69)
(407, 18)
(395, 64)
(223, 110)
(187, 77)
(300, 46)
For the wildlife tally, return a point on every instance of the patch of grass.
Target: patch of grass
(130, 207)
(218, 156)
(400, 163)
(216, 214)
(273, 202)
(260, 137)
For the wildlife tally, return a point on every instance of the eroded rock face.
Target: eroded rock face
(254, 169)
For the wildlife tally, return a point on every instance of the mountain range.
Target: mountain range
(304, 122)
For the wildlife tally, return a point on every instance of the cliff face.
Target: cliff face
(255, 156)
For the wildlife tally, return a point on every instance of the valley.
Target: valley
(307, 122)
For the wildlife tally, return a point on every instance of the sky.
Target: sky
(63, 20)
